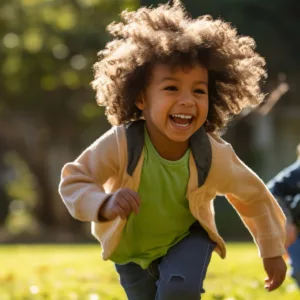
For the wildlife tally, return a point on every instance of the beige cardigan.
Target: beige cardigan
(101, 170)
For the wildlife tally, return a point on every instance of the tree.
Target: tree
(47, 108)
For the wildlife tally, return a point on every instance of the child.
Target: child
(170, 84)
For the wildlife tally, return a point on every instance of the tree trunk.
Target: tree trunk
(44, 209)
(4, 198)
(4, 206)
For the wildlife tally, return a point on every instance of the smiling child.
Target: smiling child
(170, 84)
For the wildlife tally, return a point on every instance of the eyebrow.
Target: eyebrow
(174, 79)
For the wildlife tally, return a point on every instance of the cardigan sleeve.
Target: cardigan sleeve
(82, 181)
(254, 203)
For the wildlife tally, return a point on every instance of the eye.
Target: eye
(171, 88)
(199, 91)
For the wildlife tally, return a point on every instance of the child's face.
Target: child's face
(175, 103)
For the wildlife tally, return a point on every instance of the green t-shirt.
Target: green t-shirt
(164, 217)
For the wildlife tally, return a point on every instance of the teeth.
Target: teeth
(182, 116)
(182, 125)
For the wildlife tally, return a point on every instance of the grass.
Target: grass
(77, 272)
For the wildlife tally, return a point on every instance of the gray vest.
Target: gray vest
(199, 144)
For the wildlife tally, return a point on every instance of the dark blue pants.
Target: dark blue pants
(294, 254)
(178, 275)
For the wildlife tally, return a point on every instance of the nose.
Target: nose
(186, 99)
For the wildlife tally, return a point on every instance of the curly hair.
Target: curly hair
(168, 34)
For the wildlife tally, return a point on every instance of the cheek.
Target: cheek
(203, 111)
(160, 108)
(153, 112)
(203, 106)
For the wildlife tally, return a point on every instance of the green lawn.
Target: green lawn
(78, 273)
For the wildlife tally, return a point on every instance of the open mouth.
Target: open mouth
(181, 120)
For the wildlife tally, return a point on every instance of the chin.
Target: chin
(179, 139)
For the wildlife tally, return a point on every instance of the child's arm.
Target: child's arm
(254, 203)
(257, 208)
(82, 181)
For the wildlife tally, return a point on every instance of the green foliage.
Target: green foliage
(78, 273)
(47, 52)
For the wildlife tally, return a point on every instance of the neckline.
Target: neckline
(165, 161)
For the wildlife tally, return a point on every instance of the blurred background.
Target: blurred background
(48, 112)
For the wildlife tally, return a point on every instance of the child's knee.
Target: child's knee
(178, 287)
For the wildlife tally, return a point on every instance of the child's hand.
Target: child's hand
(276, 270)
(121, 203)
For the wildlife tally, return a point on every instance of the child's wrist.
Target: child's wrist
(103, 210)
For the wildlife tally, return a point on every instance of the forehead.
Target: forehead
(161, 71)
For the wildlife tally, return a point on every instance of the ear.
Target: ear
(140, 102)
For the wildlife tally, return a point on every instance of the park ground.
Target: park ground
(77, 272)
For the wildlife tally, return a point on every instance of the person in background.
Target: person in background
(286, 189)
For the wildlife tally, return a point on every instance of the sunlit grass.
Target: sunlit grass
(77, 272)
